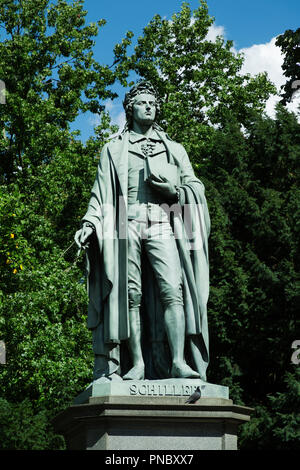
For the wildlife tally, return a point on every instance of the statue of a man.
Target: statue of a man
(147, 257)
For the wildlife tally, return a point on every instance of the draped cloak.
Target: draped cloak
(107, 261)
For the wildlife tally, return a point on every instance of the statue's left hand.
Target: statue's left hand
(163, 185)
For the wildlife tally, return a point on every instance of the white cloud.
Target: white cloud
(257, 58)
(262, 58)
(215, 31)
(267, 58)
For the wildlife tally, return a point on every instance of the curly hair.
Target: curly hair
(141, 87)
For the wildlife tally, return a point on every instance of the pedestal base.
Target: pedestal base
(152, 423)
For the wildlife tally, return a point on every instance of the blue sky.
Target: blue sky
(246, 21)
(250, 24)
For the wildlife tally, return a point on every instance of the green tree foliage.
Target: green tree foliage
(47, 65)
(289, 42)
(46, 173)
(199, 79)
(247, 161)
(254, 302)
(277, 422)
(21, 428)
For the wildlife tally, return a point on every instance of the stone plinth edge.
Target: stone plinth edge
(152, 423)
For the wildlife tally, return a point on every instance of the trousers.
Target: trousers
(157, 240)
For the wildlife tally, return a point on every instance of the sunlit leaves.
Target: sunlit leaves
(199, 79)
(47, 65)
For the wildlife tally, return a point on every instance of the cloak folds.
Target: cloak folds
(107, 262)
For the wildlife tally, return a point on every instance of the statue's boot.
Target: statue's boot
(175, 328)
(137, 372)
(184, 371)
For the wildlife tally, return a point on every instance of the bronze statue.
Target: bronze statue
(146, 231)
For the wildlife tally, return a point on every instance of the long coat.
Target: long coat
(107, 259)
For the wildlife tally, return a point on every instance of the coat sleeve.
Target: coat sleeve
(94, 213)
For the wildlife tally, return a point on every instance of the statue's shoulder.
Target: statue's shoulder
(113, 142)
(176, 147)
(115, 138)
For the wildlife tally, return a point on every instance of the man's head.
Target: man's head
(142, 102)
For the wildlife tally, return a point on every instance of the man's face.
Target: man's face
(144, 109)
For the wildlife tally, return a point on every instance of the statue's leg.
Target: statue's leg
(137, 372)
(175, 328)
(164, 258)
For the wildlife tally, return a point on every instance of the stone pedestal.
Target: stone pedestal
(151, 423)
(150, 388)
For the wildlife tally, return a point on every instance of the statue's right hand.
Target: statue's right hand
(82, 235)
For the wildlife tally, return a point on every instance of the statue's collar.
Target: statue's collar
(135, 137)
